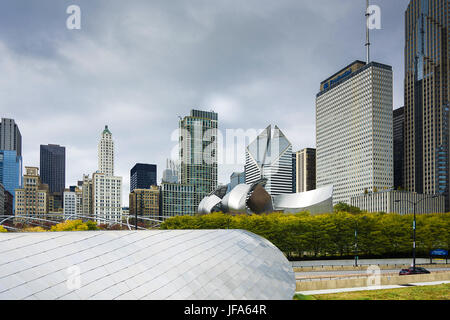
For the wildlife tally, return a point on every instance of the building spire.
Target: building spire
(367, 14)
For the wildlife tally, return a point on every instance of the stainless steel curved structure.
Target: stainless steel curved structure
(245, 198)
(208, 203)
(130, 265)
(236, 199)
(315, 201)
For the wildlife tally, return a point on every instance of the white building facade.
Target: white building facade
(107, 199)
(106, 153)
(354, 131)
(106, 188)
(70, 205)
(399, 202)
(270, 157)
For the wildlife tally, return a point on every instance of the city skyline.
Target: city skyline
(78, 81)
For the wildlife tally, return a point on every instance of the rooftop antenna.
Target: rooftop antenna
(367, 33)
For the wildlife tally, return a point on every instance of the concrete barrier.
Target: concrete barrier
(362, 282)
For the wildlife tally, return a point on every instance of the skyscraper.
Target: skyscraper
(306, 170)
(106, 188)
(86, 195)
(294, 172)
(143, 176)
(269, 157)
(10, 137)
(236, 178)
(399, 144)
(11, 171)
(427, 97)
(177, 199)
(354, 130)
(198, 152)
(106, 153)
(53, 167)
(70, 204)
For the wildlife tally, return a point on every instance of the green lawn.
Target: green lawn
(440, 292)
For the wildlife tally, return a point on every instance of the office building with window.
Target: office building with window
(70, 204)
(106, 199)
(177, 200)
(269, 157)
(53, 167)
(399, 147)
(32, 199)
(391, 201)
(145, 202)
(11, 171)
(235, 179)
(10, 137)
(306, 170)
(86, 190)
(106, 153)
(198, 152)
(427, 97)
(143, 176)
(354, 127)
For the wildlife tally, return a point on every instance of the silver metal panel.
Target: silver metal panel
(175, 264)
(235, 200)
(316, 201)
(208, 203)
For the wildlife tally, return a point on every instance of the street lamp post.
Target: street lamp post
(415, 225)
(356, 245)
(356, 240)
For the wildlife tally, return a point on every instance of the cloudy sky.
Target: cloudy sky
(137, 65)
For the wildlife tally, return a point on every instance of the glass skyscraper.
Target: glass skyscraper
(427, 97)
(53, 167)
(198, 152)
(11, 171)
(143, 176)
(10, 137)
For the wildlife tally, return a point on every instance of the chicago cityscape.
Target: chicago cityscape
(364, 152)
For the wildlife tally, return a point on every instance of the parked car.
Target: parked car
(417, 270)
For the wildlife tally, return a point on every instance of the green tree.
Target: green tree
(74, 225)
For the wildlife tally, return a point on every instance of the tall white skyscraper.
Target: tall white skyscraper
(106, 153)
(354, 130)
(270, 157)
(106, 188)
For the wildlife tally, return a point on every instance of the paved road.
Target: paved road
(363, 272)
(360, 262)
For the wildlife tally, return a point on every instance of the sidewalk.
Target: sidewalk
(328, 291)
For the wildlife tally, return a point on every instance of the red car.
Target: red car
(417, 270)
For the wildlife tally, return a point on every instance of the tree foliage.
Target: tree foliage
(34, 229)
(302, 235)
(75, 225)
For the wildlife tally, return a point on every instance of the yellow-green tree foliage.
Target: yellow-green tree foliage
(2, 229)
(75, 225)
(34, 229)
(303, 235)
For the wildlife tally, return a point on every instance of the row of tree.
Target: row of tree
(331, 235)
(71, 225)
